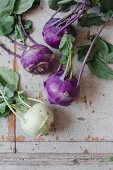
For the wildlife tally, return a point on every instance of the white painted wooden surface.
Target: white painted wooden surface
(83, 133)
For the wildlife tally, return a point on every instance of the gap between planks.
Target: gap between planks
(21, 159)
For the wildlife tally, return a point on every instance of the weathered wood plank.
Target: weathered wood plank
(20, 159)
(64, 147)
(87, 167)
(7, 147)
(60, 167)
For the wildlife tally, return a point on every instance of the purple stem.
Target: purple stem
(9, 51)
(55, 13)
(24, 31)
(67, 16)
(74, 19)
(89, 52)
(15, 42)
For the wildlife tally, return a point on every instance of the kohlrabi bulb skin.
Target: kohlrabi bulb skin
(38, 120)
(61, 91)
(37, 59)
(50, 33)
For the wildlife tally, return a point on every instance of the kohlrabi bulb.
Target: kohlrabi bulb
(37, 120)
(37, 59)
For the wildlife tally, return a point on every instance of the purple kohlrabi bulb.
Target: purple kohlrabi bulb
(37, 59)
(61, 91)
(50, 33)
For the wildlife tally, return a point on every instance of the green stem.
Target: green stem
(24, 103)
(68, 67)
(35, 100)
(18, 28)
(8, 104)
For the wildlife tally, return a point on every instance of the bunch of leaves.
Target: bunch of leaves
(9, 94)
(96, 11)
(66, 47)
(100, 58)
(9, 9)
(63, 5)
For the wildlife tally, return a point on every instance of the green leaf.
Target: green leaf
(105, 51)
(5, 113)
(100, 69)
(6, 25)
(36, 4)
(1, 86)
(102, 49)
(91, 19)
(111, 159)
(62, 2)
(9, 91)
(4, 110)
(53, 4)
(66, 47)
(82, 53)
(101, 55)
(92, 3)
(17, 32)
(6, 7)
(110, 60)
(9, 99)
(2, 107)
(106, 5)
(22, 6)
(7, 76)
(64, 5)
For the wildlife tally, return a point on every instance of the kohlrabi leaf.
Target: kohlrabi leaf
(11, 99)
(92, 3)
(6, 25)
(7, 76)
(109, 59)
(22, 6)
(9, 91)
(66, 47)
(88, 20)
(36, 4)
(100, 69)
(2, 107)
(17, 32)
(4, 110)
(106, 6)
(111, 159)
(101, 55)
(53, 4)
(82, 52)
(6, 7)
(64, 5)
(102, 49)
